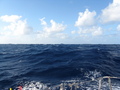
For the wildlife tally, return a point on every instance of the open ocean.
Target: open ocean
(36, 66)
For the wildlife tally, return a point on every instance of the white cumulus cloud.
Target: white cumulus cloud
(111, 13)
(12, 18)
(86, 24)
(86, 19)
(16, 25)
(55, 27)
(53, 30)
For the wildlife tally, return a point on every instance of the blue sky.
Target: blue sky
(60, 21)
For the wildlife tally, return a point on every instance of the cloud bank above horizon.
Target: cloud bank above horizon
(89, 28)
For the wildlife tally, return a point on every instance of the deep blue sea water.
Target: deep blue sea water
(23, 65)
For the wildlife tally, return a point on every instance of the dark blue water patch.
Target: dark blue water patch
(20, 63)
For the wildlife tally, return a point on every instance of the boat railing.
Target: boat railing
(77, 85)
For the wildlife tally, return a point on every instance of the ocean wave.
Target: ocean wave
(56, 63)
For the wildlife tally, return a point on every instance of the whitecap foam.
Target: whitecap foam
(35, 86)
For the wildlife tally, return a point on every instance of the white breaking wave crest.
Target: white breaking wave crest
(35, 86)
